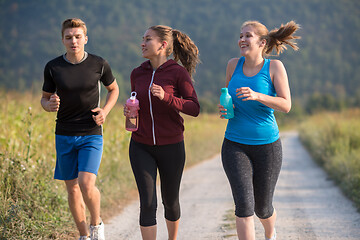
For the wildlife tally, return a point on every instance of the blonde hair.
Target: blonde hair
(73, 23)
(276, 38)
(180, 45)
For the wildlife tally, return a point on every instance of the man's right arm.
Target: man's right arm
(50, 102)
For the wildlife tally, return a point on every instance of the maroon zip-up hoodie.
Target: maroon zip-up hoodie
(159, 120)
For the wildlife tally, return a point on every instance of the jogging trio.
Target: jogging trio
(251, 151)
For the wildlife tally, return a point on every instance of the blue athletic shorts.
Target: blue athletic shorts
(76, 154)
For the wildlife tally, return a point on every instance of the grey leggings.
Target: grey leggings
(252, 171)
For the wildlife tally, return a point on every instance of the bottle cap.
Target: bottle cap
(133, 95)
(224, 90)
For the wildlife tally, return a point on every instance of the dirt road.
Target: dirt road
(309, 205)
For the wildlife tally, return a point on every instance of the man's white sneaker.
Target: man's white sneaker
(84, 238)
(97, 232)
(273, 236)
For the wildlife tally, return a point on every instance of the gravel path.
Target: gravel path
(309, 205)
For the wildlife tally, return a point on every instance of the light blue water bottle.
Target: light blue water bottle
(226, 102)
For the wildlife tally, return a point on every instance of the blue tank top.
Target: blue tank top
(253, 122)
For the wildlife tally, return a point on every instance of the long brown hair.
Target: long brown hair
(180, 45)
(276, 38)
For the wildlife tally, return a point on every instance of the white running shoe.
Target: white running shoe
(97, 232)
(273, 236)
(84, 238)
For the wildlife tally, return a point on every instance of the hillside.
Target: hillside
(327, 60)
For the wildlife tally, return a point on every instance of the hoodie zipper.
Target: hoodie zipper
(151, 111)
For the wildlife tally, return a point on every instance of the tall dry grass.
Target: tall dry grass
(33, 206)
(333, 139)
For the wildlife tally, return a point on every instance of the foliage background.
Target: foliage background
(325, 67)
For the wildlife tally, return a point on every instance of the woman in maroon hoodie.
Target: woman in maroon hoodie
(164, 89)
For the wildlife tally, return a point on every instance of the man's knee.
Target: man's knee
(87, 189)
(72, 187)
(87, 183)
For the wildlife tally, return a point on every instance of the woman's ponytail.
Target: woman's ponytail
(277, 38)
(185, 50)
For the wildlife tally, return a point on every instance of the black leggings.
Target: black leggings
(252, 171)
(145, 161)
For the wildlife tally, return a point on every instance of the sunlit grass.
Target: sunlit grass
(333, 139)
(32, 204)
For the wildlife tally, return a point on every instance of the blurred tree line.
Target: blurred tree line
(323, 74)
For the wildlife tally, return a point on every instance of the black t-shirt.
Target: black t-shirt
(78, 86)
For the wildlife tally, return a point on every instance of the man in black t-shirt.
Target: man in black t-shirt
(72, 89)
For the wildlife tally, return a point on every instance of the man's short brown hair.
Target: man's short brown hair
(73, 23)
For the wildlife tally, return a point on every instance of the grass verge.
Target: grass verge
(333, 139)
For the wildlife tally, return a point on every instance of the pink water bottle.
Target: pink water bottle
(132, 120)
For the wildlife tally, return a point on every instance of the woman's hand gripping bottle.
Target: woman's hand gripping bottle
(226, 102)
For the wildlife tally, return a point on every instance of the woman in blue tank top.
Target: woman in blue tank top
(251, 151)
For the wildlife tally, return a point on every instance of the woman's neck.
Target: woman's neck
(252, 66)
(253, 62)
(158, 61)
